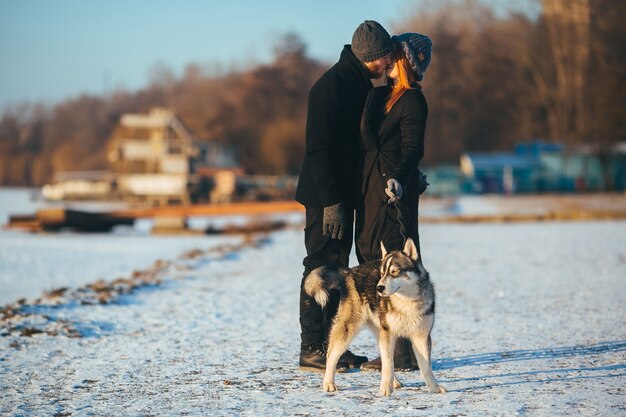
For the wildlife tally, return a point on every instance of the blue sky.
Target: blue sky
(54, 49)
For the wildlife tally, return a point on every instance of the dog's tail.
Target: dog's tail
(322, 279)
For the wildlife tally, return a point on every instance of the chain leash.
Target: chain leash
(400, 220)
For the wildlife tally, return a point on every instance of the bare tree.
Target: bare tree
(567, 24)
(494, 80)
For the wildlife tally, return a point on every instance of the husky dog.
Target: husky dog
(394, 297)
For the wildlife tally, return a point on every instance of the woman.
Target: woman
(392, 131)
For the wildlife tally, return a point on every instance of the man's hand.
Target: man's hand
(393, 190)
(334, 221)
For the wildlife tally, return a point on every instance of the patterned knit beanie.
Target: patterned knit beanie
(418, 49)
(371, 41)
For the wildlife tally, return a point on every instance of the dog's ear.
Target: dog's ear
(382, 249)
(410, 250)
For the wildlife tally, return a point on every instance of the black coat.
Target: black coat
(392, 147)
(329, 172)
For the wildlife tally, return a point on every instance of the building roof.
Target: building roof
(537, 147)
(158, 118)
(501, 159)
(472, 162)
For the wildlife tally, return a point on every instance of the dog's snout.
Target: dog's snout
(380, 288)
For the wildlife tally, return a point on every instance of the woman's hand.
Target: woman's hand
(393, 190)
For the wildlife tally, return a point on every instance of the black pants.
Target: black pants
(321, 251)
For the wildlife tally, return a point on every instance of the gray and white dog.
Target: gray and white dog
(394, 297)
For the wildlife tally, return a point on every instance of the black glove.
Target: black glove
(422, 184)
(334, 222)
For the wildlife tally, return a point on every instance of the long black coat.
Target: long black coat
(392, 147)
(329, 172)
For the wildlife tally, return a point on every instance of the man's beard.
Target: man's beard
(377, 74)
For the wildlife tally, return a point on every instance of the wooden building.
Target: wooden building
(151, 157)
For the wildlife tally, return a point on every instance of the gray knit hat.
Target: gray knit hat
(371, 41)
(418, 49)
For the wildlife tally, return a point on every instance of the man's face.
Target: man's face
(379, 67)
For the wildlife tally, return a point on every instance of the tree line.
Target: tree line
(493, 81)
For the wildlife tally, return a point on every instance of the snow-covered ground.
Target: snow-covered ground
(33, 263)
(530, 321)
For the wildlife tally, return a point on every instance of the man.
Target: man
(329, 178)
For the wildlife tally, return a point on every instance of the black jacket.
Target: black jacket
(392, 147)
(393, 144)
(329, 172)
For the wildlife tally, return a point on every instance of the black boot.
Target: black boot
(313, 359)
(353, 361)
(403, 358)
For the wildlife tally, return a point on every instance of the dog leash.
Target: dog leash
(423, 185)
(400, 220)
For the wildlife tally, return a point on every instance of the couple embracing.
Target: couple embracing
(360, 174)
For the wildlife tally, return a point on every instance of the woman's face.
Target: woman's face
(393, 72)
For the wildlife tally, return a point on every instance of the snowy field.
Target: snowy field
(33, 263)
(530, 321)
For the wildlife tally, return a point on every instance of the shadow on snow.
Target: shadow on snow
(535, 376)
(523, 355)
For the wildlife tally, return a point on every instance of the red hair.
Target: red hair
(406, 77)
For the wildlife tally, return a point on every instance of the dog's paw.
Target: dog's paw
(437, 389)
(329, 387)
(386, 389)
(397, 384)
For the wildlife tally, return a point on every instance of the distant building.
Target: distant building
(151, 157)
(500, 172)
(154, 159)
(443, 180)
(217, 175)
(543, 167)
